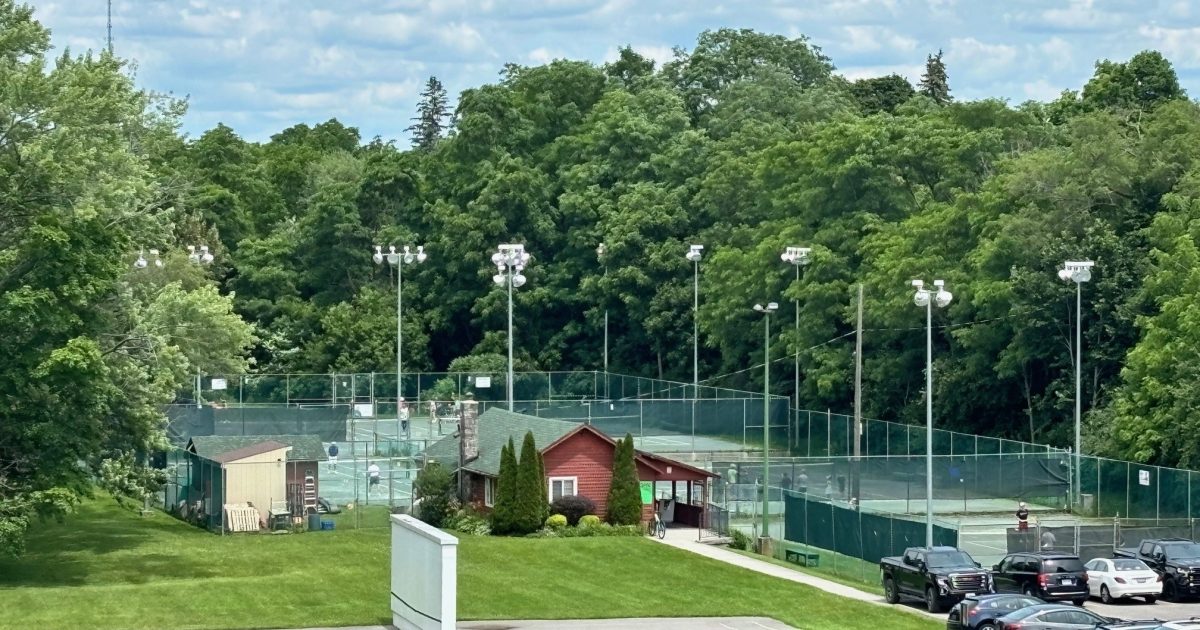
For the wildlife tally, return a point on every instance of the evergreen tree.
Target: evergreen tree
(532, 508)
(543, 489)
(504, 504)
(625, 495)
(934, 83)
(431, 112)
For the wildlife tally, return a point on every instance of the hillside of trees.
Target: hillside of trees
(748, 143)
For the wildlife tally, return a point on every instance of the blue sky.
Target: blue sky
(263, 65)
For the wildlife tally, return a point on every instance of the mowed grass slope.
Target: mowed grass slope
(109, 568)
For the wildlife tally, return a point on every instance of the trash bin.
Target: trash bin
(314, 522)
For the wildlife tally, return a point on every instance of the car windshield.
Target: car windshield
(1182, 550)
(950, 559)
(1063, 565)
(1130, 565)
(1010, 603)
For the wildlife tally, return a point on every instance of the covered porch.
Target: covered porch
(681, 493)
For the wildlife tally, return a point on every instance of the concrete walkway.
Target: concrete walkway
(686, 539)
(680, 623)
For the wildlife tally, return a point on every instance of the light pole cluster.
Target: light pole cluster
(694, 254)
(398, 260)
(797, 257)
(510, 261)
(924, 298)
(197, 255)
(1077, 272)
(600, 256)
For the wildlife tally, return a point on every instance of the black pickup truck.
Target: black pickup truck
(941, 576)
(1177, 560)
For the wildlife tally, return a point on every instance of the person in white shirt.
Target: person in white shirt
(372, 476)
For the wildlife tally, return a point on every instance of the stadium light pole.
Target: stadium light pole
(510, 261)
(694, 254)
(766, 477)
(922, 297)
(1077, 272)
(600, 256)
(398, 260)
(796, 257)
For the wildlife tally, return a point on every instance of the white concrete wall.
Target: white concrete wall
(424, 593)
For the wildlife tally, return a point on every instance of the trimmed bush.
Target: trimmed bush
(589, 520)
(468, 523)
(625, 494)
(504, 508)
(434, 488)
(740, 540)
(601, 529)
(556, 521)
(574, 507)
(532, 508)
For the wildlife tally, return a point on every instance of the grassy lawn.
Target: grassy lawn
(109, 568)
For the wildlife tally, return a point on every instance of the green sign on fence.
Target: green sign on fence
(647, 492)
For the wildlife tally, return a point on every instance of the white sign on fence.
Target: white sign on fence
(424, 576)
(1144, 477)
(219, 383)
(483, 382)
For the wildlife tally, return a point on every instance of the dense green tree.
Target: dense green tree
(881, 94)
(531, 506)
(935, 83)
(432, 110)
(624, 493)
(434, 488)
(505, 505)
(1142, 83)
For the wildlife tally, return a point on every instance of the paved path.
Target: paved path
(686, 539)
(682, 623)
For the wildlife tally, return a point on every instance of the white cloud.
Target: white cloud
(541, 56)
(462, 36)
(1177, 44)
(978, 57)
(1056, 52)
(1080, 15)
(874, 38)
(657, 53)
(1041, 90)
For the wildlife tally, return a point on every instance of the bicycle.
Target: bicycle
(656, 527)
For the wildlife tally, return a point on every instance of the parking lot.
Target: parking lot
(1139, 609)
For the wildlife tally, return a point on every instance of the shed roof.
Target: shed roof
(249, 451)
(496, 426)
(305, 448)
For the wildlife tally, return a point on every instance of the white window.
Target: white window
(489, 491)
(563, 486)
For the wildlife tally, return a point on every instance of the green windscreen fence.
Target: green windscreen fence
(855, 533)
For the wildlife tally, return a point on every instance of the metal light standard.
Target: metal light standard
(398, 260)
(510, 261)
(766, 476)
(1077, 272)
(694, 255)
(600, 255)
(796, 257)
(197, 255)
(923, 298)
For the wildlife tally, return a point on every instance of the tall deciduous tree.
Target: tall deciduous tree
(934, 83)
(432, 111)
(625, 495)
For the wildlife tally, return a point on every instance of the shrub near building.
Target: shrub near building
(625, 494)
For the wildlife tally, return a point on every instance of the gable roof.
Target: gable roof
(496, 426)
(250, 451)
(304, 447)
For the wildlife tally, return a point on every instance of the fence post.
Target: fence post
(829, 434)
(808, 448)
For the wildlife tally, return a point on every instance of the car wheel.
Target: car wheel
(986, 626)
(1079, 602)
(1105, 596)
(1028, 590)
(931, 601)
(889, 591)
(1169, 593)
(1150, 599)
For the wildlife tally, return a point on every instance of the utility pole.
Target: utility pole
(110, 48)
(855, 484)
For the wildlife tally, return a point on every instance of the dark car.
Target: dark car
(1065, 617)
(980, 612)
(1049, 576)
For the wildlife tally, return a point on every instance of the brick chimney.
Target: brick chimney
(468, 430)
